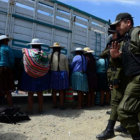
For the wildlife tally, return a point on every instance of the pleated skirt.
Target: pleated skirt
(79, 81)
(59, 80)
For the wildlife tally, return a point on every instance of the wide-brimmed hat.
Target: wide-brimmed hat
(122, 16)
(3, 37)
(35, 41)
(56, 45)
(88, 50)
(79, 49)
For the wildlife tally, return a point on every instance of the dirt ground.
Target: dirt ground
(56, 124)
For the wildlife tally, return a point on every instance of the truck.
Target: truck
(51, 21)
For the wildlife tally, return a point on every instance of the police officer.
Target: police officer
(129, 106)
(118, 80)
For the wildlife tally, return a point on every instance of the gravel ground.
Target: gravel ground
(56, 124)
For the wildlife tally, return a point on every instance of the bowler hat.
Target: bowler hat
(56, 45)
(3, 37)
(35, 41)
(88, 50)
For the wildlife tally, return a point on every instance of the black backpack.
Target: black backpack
(12, 115)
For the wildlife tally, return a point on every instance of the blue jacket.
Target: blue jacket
(6, 56)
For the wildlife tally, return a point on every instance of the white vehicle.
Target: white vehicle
(51, 21)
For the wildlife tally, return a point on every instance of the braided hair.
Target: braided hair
(59, 52)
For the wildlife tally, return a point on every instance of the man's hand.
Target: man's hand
(114, 50)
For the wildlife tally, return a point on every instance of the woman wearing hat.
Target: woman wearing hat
(58, 74)
(6, 66)
(79, 78)
(91, 75)
(34, 77)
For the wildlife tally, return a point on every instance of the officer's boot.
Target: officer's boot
(120, 129)
(136, 137)
(108, 132)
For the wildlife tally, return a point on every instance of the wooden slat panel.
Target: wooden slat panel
(58, 13)
(62, 34)
(23, 23)
(47, 2)
(43, 29)
(45, 9)
(79, 28)
(79, 42)
(63, 8)
(43, 35)
(98, 22)
(2, 25)
(81, 21)
(81, 34)
(26, 2)
(3, 18)
(62, 23)
(46, 42)
(22, 37)
(80, 15)
(61, 39)
(2, 31)
(45, 18)
(24, 12)
(3, 5)
(80, 38)
(22, 30)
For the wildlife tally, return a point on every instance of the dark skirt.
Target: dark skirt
(59, 80)
(6, 79)
(30, 84)
(92, 82)
(102, 82)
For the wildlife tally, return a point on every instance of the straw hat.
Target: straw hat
(56, 45)
(77, 49)
(88, 50)
(2, 37)
(35, 41)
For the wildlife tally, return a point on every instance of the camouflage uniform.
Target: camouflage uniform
(130, 104)
(118, 80)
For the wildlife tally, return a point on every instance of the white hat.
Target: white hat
(88, 50)
(2, 37)
(78, 49)
(56, 45)
(35, 41)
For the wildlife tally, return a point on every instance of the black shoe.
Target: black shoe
(136, 137)
(108, 112)
(106, 134)
(121, 129)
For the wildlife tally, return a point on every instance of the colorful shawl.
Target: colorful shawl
(35, 63)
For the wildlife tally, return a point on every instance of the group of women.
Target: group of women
(42, 72)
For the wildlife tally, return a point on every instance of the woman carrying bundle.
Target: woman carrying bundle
(35, 77)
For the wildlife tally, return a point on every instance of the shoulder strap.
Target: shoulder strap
(128, 38)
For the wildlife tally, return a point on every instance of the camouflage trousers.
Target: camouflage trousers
(129, 106)
(116, 97)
